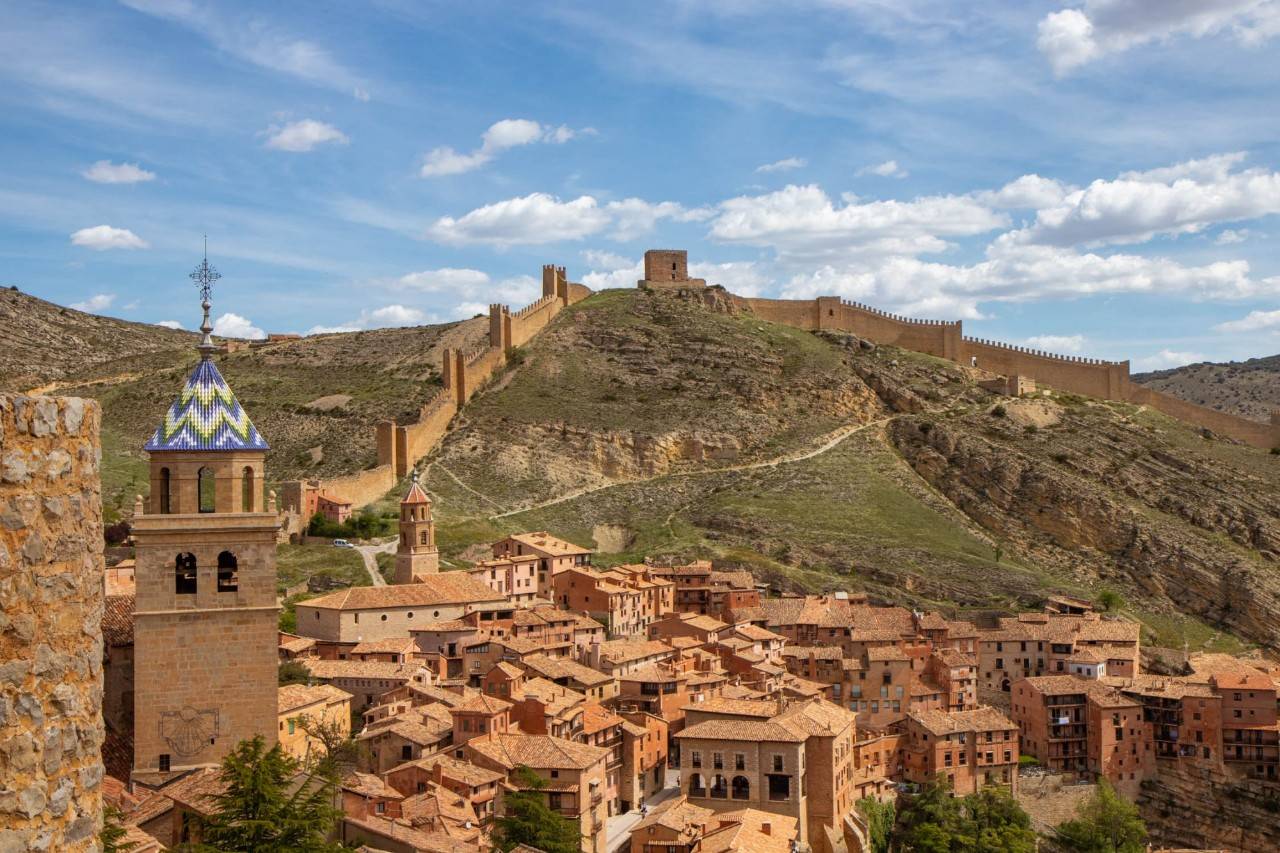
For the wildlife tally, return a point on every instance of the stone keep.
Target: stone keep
(205, 656)
(51, 579)
(416, 555)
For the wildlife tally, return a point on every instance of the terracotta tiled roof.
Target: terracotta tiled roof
(451, 768)
(395, 645)
(117, 753)
(982, 719)
(756, 633)
(438, 589)
(483, 704)
(465, 771)
(438, 804)
(886, 653)
(758, 708)
(678, 815)
(445, 625)
(196, 790)
(403, 834)
(951, 657)
(295, 644)
(761, 731)
(291, 697)
(372, 669)
(545, 543)
(1068, 685)
(369, 785)
(556, 698)
(745, 833)
(595, 718)
(510, 670)
(623, 651)
(537, 751)
(416, 494)
(117, 620)
(1164, 686)
(553, 668)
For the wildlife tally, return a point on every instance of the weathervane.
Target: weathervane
(204, 276)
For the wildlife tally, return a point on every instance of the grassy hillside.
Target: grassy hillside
(938, 494)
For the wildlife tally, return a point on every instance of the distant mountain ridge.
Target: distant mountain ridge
(1250, 389)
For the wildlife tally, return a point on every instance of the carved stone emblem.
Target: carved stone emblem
(189, 730)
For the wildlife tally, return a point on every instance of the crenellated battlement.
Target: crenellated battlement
(1070, 359)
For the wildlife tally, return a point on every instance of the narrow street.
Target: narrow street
(618, 828)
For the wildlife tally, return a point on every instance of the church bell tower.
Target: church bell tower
(416, 554)
(206, 619)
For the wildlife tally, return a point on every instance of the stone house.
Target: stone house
(480, 786)
(644, 756)
(514, 577)
(971, 749)
(320, 704)
(1034, 644)
(554, 556)
(574, 776)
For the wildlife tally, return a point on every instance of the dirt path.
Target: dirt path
(370, 555)
(833, 440)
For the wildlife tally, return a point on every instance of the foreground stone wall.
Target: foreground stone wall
(51, 577)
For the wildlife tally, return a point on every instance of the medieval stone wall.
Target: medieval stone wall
(399, 447)
(51, 586)
(1102, 379)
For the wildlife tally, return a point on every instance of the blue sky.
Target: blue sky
(1099, 178)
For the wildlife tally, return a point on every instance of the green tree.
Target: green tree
(1107, 823)
(990, 821)
(528, 820)
(879, 817)
(112, 835)
(268, 806)
(338, 751)
(293, 672)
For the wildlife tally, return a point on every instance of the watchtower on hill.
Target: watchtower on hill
(205, 621)
(668, 269)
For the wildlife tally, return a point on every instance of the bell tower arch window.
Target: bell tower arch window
(228, 574)
(165, 507)
(207, 490)
(247, 490)
(184, 574)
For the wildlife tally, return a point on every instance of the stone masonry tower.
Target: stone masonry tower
(205, 654)
(416, 555)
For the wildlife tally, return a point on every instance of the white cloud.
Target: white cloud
(234, 326)
(445, 278)
(95, 303)
(257, 41)
(501, 135)
(1070, 38)
(887, 169)
(1228, 236)
(1255, 321)
(106, 172)
(170, 324)
(634, 217)
(1013, 272)
(619, 273)
(304, 135)
(1056, 343)
(360, 94)
(1027, 192)
(1135, 207)
(803, 224)
(387, 317)
(599, 259)
(1167, 358)
(786, 165)
(103, 237)
(744, 278)
(535, 218)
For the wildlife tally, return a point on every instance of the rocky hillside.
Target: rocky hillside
(1250, 388)
(42, 343)
(316, 400)
(656, 425)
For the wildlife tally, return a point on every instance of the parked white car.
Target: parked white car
(342, 543)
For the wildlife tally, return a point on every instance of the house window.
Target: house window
(739, 761)
(777, 764)
(164, 762)
(695, 758)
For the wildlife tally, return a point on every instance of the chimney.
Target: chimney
(766, 827)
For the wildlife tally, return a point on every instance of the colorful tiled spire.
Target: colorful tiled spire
(207, 415)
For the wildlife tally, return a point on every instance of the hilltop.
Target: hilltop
(42, 343)
(659, 425)
(1250, 388)
(317, 399)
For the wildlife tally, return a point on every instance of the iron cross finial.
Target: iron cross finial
(204, 275)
